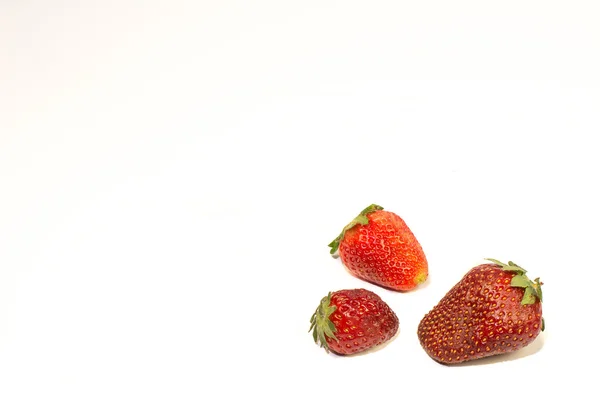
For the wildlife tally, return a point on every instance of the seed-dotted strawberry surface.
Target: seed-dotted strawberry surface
(494, 309)
(353, 320)
(379, 247)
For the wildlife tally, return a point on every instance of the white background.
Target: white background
(172, 172)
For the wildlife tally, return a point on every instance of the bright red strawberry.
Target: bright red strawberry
(494, 309)
(352, 320)
(378, 247)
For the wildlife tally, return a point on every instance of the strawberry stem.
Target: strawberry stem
(360, 219)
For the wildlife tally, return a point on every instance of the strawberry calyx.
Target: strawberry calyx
(533, 289)
(360, 219)
(320, 324)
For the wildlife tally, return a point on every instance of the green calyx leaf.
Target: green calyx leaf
(511, 266)
(360, 219)
(533, 289)
(320, 324)
(528, 296)
(520, 281)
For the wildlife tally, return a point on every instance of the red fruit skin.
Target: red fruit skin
(480, 316)
(362, 319)
(384, 252)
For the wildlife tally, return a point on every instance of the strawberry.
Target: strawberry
(352, 320)
(378, 247)
(494, 309)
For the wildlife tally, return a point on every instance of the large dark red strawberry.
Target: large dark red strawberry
(378, 247)
(494, 309)
(352, 320)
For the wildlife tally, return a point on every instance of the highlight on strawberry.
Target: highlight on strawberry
(494, 309)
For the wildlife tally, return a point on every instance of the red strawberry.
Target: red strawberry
(494, 309)
(352, 320)
(378, 247)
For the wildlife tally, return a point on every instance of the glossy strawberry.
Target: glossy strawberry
(378, 247)
(351, 321)
(494, 309)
